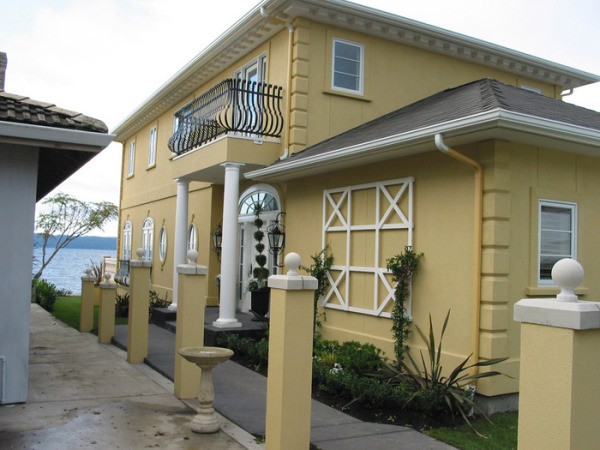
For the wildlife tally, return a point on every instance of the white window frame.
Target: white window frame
(261, 68)
(152, 147)
(572, 207)
(148, 238)
(338, 296)
(131, 160)
(126, 243)
(162, 244)
(192, 237)
(361, 67)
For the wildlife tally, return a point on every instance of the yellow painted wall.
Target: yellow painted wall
(515, 177)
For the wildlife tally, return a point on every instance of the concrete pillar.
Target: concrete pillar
(106, 314)
(229, 248)
(190, 324)
(181, 230)
(139, 302)
(559, 369)
(86, 313)
(289, 380)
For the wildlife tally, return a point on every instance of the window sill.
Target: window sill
(153, 166)
(346, 94)
(551, 291)
(129, 176)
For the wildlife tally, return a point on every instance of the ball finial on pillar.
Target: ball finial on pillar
(192, 256)
(292, 262)
(140, 253)
(567, 274)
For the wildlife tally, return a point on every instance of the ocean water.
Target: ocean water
(69, 265)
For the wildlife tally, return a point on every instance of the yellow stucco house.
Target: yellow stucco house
(371, 132)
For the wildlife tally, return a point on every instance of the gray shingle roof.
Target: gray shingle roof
(458, 103)
(20, 109)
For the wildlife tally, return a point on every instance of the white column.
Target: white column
(229, 248)
(180, 247)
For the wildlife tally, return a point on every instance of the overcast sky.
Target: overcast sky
(103, 58)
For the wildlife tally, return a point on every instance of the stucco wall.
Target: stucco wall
(18, 179)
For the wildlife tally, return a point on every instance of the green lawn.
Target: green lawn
(66, 309)
(501, 434)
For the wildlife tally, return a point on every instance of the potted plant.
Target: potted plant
(257, 285)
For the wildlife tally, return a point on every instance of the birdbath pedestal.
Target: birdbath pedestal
(205, 421)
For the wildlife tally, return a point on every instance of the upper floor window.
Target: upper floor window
(254, 71)
(347, 66)
(126, 243)
(152, 148)
(557, 236)
(131, 160)
(148, 238)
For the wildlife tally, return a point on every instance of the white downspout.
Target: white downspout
(477, 232)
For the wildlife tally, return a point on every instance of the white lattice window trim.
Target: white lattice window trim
(340, 282)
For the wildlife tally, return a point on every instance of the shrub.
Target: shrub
(122, 305)
(46, 293)
(154, 302)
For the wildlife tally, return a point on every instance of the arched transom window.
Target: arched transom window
(258, 201)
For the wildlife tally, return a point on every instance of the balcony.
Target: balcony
(248, 109)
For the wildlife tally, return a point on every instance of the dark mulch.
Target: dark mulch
(392, 416)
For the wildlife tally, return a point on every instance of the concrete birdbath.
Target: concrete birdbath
(205, 421)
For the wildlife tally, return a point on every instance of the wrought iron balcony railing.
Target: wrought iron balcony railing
(233, 105)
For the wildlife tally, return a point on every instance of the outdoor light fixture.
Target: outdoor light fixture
(216, 238)
(276, 236)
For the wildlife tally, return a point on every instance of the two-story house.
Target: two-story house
(371, 132)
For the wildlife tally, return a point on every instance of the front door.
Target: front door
(269, 207)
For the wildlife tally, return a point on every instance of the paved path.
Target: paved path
(240, 396)
(85, 395)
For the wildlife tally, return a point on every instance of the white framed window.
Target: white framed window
(131, 160)
(255, 70)
(347, 73)
(126, 242)
(162, 244)
(557, 236)
(192, 242)
(152, 148)
(148, 238)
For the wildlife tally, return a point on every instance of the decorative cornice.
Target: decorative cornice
(253, 29)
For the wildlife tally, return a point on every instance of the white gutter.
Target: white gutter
(497, 118)
(62, 138)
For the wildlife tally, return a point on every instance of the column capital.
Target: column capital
(229, 165)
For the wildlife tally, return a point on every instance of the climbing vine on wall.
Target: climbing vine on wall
(403, 267)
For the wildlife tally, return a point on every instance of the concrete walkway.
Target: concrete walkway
(85, 395)
(240, 396)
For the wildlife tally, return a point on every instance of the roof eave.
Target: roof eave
(497, 124)
(61, 138)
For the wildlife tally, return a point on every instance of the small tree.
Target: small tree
(68, 218)
(319, 269)
(403, 267)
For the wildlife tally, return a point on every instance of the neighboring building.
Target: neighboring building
(41, 145)
(340, 116)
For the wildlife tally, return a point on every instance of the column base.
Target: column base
(227, 323)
